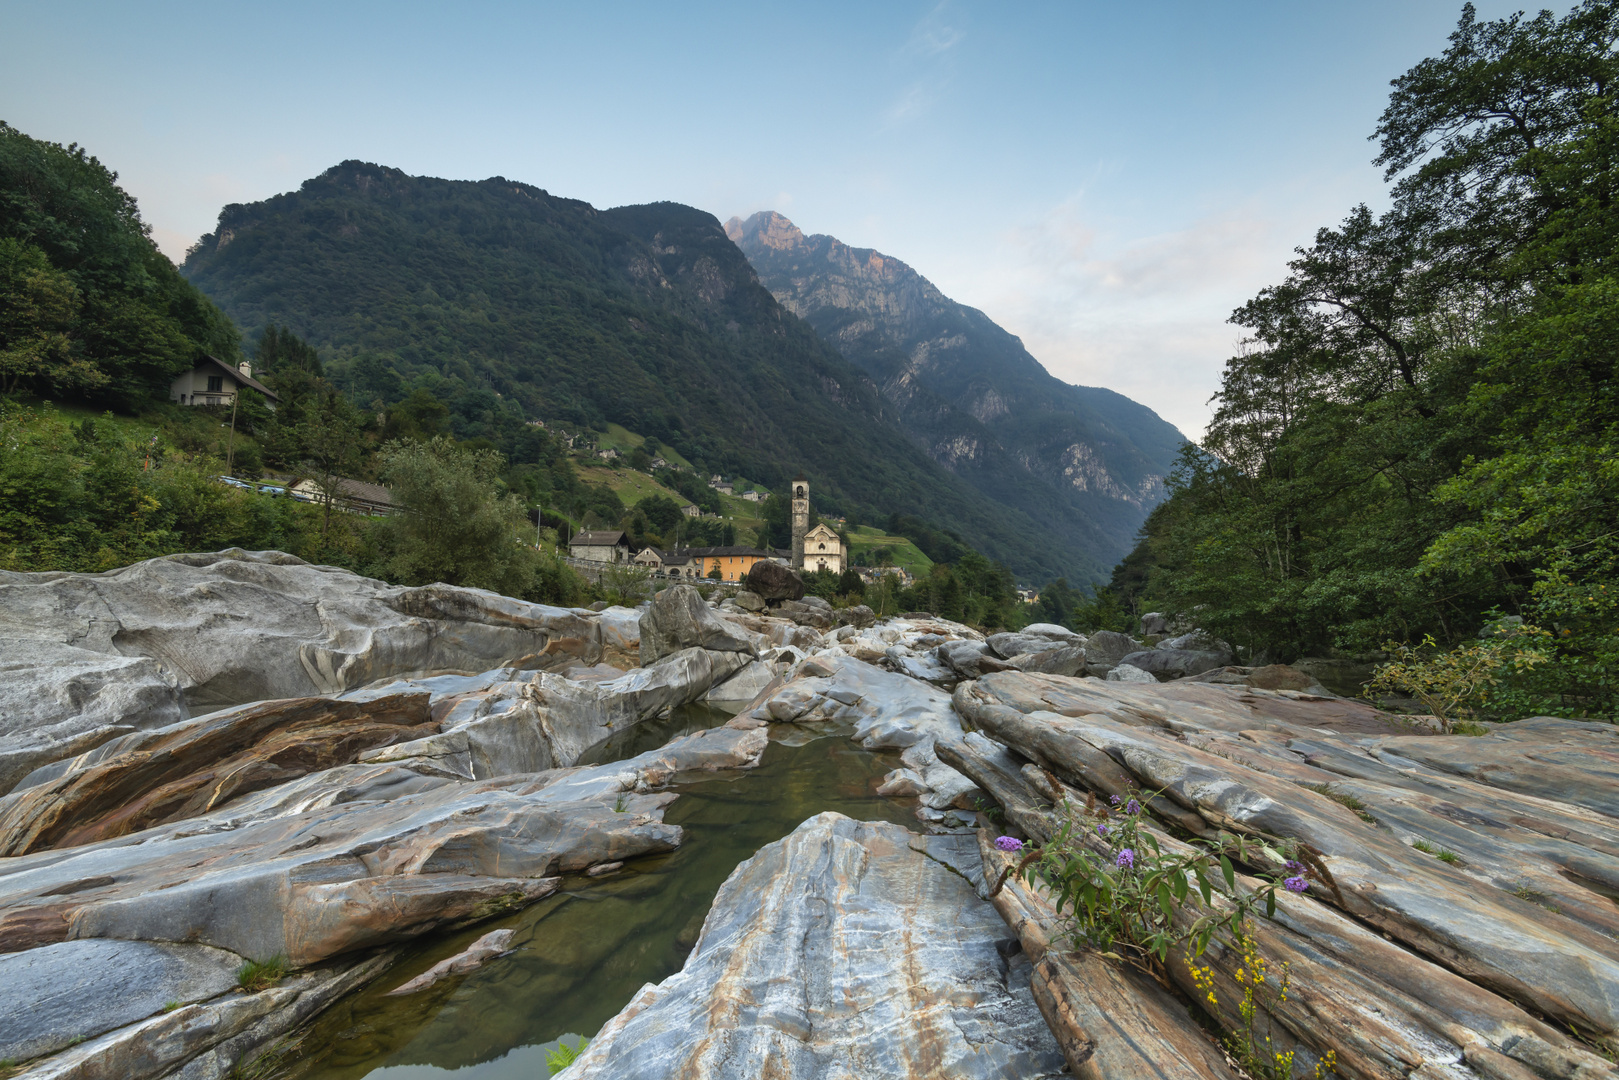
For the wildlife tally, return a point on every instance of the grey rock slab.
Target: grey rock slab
(839, 951)
(1176, 663)
(888, 710)
(56, 995)
(743, 687)
(1008, 645)
(680, 619)
(146, 644)
(1061, 660)
(1130, 673)
(1106, 648)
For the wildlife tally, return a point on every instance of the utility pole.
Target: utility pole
(230, 456)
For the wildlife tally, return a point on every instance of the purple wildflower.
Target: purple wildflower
(1114, 800)
(1293, 866)
(1008, 843)
(1127, 858)
(1295, 884)
(1101, 830)
(1132, 807)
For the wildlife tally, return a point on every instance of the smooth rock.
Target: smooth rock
(57, 995)
(680, 619)
(1062, 660)
(1129, 673)
(1175, 663)
(1105, 648)
(743, 687)
(773, 581)
(1054, 631)
(474, 956)
(749, 600)
(146, 644)
(841, 951)
(620, 636)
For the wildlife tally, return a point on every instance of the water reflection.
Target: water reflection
(582, 954)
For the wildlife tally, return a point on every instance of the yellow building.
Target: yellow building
(733, 563)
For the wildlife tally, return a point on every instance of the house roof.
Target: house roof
(821, 528)
(597, 538)
(723, 552)
(359, 490)
(236, 373)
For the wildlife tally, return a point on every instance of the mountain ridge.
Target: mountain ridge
(509, 304)
(1083, 460)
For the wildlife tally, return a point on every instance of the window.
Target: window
(216, 383)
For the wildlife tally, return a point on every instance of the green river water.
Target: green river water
(580, 955)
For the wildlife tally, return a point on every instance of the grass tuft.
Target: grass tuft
(1346, 800)
(255, 975)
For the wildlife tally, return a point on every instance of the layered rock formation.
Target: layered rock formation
(847, 949)
(93, 656)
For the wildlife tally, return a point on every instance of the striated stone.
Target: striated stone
(620, 637)
(743, 687)
(61, 994)
(146, 644)
(846, 949)
(153, 777)
(678, 619)
(1175, 663)
(491, 945)
(1062, 660)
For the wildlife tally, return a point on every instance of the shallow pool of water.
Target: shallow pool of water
(582, 954)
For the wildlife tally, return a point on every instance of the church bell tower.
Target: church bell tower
(800, 519)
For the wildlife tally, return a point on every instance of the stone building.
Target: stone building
(599, 546)
(824, 550)
(800, 518)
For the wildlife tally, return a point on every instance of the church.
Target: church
(814, 549)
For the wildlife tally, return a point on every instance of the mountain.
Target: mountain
(501, 301)
(1083, 462)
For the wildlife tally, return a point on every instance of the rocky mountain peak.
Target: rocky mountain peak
(767, 229)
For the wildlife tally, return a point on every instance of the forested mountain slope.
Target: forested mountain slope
(501, 299)
(1083, 461)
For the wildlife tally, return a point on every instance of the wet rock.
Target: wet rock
(58, 995)
(743, 687)
(1175, 663)
(1105, 648)
(809, 965)
(748, 600)
(773, 581)
(902, 783)
(146, 644)
(491, 945)
(603, 869)
(680, 619)
(1129, 673)
(152, 777)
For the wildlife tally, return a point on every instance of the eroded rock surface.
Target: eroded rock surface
(93, 656)
(843, 950)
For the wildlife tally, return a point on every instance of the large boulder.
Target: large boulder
(90, 657)
(1130, 673)
(773, 581)
(1063, 660)
(1105, 648)
(847, 949)
(679, 618)
(1176, 663)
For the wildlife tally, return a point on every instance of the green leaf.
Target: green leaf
(1165, 902)
(1229, 872)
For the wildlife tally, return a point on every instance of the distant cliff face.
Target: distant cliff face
(1084, 460)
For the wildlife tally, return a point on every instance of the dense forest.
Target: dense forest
(1418, 437)
(482, 306)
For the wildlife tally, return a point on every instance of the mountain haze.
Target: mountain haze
(1083, 462)
(504, 301)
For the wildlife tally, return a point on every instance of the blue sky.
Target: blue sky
(1105, 180)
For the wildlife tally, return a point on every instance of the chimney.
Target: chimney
(245, 368)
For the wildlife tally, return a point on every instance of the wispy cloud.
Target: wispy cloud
(925, 58)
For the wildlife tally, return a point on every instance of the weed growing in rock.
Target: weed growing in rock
(255, 975)
(620, 806)
(1437, 852)
(564, 1055)
(1262, 990)
(169, 1007)
(1346, 800)
(1535, 896)
(1122, 891)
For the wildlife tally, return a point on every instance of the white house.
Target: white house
(752, 496)
(214, 382)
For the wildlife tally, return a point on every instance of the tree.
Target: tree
(328, 435)
(453, 523)
(37, 307)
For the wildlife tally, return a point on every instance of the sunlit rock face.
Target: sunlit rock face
(1085, 461)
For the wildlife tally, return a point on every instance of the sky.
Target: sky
(1105, 180)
